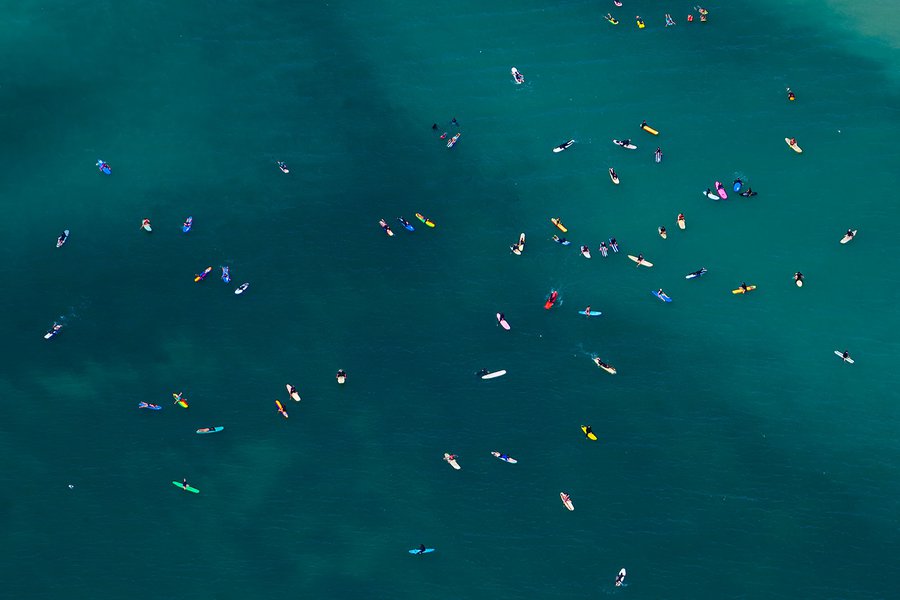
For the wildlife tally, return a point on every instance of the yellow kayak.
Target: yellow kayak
(559, 225)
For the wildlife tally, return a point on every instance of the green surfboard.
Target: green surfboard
(188, 489)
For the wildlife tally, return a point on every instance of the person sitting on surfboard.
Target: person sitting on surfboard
(743, 286)
(292, 391)
(748, 192)
(791, 95)
(588, 430)
(184, 484)
(662, 230)
(850, 233)
(444, 135)
(587, 310)
(421, 549)
(341, 373)
(640, 259)
(845, 355)
(793, 141)
(798, 276)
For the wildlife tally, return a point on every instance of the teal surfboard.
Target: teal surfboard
(594, 313)
(209, 430)
(416, 551)
(178, 484)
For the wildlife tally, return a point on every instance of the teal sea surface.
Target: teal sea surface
(738, 457)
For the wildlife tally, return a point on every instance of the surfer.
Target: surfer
(850, 233)
(453, 121)
(620, 578)
(482, 372)
(502, 317)
(587, 310)
(798, 276)
(669, 20)
(444, 135)
(699, 272)
(292, 391)
(588, 430)
(791, 95)
(845, 355)
(640, 259)
(177, 397)
(434, 126)
(613, 244)
(603, 249)
(184, 484)
(560, 240)
(624, 143)
(643, 124)
(708, 191)
(793, 141)
(341, 373)
(662, 230)
(658, 154)
(613, 173)
(744, 286)
(421, 549)
(749, 192)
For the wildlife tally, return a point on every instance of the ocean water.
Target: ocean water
(738, 457)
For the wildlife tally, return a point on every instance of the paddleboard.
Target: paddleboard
(241, 288)
(567, 502)
(750, 288)
(559, 225)
(451, 461)
(793, 147)
(187, 224)
(721, 190)
(502, 322)
(590, 435)
(626, 146)
(564, 146)
(203, 430)
(425, 220)
(695, 274)
(62, 239)
(649, 129)
(643, 263)
(662, 232)
(426, 551)
(295, 395)
(710, 195)
(680, 221)
(202, 275)
(504, 458)
(841, 355)
(608, 368)
(847, 238)
(585, 252)
(593, 313)
(662, 296)
(614, 176)
(281, 410)
(193, 490)
(494, 374)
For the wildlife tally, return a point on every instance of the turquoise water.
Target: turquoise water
(738, 458)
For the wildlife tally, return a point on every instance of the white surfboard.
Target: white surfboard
(841, 356)
(567, 502)
(710, 195)
(847, 238)
(626, 146)
(585, 252)
(452, 461)
(642, 263)
(522, 242)
(240, 289)
(295, 395)
(681, 223)
(508, 459)
(494, 374)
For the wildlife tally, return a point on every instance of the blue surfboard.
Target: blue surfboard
(416, 551)
(662, 296)
(104, 168)
(737, 185)
(187, 224)
(406, 224)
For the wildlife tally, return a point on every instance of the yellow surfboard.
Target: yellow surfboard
(559, 225)
(750, 288)
(649, 129)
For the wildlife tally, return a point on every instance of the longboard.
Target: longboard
(567, 502)
(695, 274)
(593, 313)
(649, 130)
(750, 288)
(643, 263)
(281, 409)
(841, 356)
(499, 373)
(614, 176)
(626, 146)
(662, 296)
(187, 489)
(608, 368)
(426, 551)
(559, 225)
(295, 395)
(425, 220)
(452, 461)
(508, 459)
(847, 238)
(590, 435)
